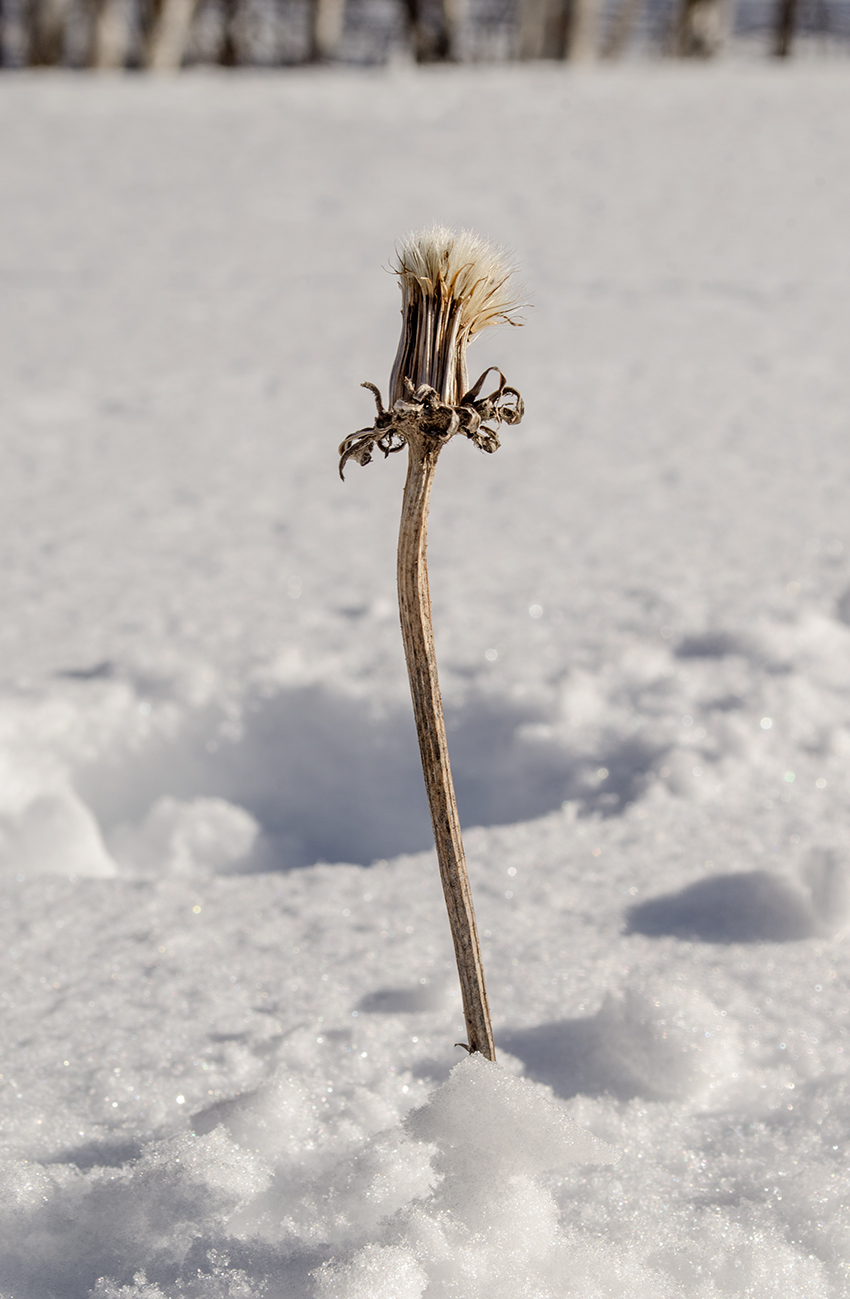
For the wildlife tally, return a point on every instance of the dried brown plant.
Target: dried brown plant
(453, 286)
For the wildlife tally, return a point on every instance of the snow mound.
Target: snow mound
(490, 1224)
(53, 834)
(204, 834)
(487, 1123)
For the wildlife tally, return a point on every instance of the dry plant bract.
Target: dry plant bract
(453, 285)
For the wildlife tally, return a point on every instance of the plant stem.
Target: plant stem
(417, 633)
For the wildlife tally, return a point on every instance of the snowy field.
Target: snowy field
(229, 999)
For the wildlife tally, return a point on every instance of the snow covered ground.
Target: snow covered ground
(228, 988)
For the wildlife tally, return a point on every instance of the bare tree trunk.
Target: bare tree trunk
(558, 29)
(786, 22)
(543, 29)
(432, 43)
(582, 31)
(620, 31)
(110, 35)
(327, 22)
(166, 46)
(532, 29)
(228, 53)
(47, 22)
(699, 30)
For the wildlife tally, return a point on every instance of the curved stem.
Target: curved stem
(417, 633)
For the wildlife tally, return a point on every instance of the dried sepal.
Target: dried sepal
(422, 413)
(359, 446)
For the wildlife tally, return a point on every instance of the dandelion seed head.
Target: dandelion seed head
(464, 268)
(453, 285)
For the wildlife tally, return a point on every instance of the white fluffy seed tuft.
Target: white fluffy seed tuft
(453, 285)
(464, 268)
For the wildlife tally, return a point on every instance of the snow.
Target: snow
(230, 1006)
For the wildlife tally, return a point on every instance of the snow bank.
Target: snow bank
(229, 1001)
(489, 1227)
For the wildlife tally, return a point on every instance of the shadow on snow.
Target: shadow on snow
(328, 779)
(750, 907)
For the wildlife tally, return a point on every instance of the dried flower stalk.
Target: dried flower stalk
(453, 286)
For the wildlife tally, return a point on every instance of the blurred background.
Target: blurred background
(168, 34)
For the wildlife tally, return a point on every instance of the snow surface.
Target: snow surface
(225, 1076)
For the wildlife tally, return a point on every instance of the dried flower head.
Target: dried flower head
(453, 285)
